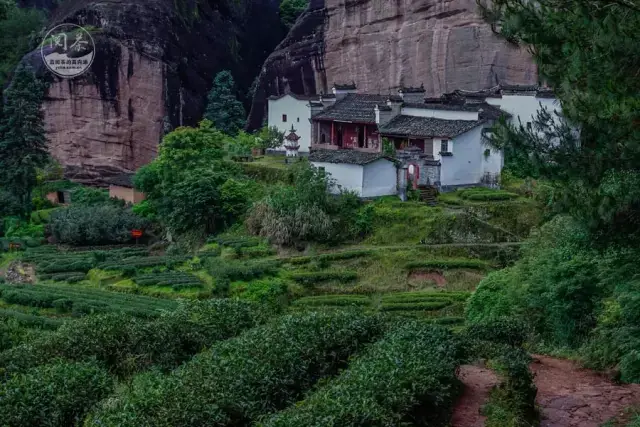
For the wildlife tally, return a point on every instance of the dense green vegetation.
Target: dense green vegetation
(576, 285)
(223, 108)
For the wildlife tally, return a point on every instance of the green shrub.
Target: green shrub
(405, 297)
(512, 402)
(239, 380)
(268, 174)
(448, 264)
(335, 300)
(42, 216)
(312, 278)
(94, 225)
(169, 278)
(407, 378)
(29, 320)
(426, 306)
(53, 395)
(125, 345)
(241, 270)
(485, 194)
(270, 292)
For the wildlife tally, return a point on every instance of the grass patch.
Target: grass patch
(447, 264)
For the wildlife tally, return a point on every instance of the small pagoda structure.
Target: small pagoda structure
(291, 143)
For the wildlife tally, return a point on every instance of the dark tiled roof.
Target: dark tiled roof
(316, 104)
(122, 180)
(428, 127)
(354, 107)
(395, 98)
(488, 111)
(328, 95)
(298, 97)
(384, 108)
(545, 93)
(351, 157)
(412, 89)
(350, 86)
(441, 106)
(491, 112)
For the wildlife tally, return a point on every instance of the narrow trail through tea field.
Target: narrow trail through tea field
(477, 382)
(568, 395)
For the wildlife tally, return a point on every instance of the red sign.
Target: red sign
(136, 234)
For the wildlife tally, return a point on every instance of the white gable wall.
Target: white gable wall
(440, 114)
(380, 179)
(524, 106)
(347, 176)
(298, 114)
(466, 165)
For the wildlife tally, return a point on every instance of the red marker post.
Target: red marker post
(136, 234)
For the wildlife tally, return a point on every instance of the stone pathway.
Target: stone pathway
(569, 396)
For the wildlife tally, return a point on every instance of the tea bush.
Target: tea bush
(30, 320)
(94, 225)
(242, 379)
(55, 395)
(485, 194)
(406, 378)
(241, 270)
(271, 292)
(91, 300)
(333, 300)
(426, 306)
(125, 345)
(174, 279)
(311, 278)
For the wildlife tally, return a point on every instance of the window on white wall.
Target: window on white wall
(444, 146)
(284, 118)
(298, 119)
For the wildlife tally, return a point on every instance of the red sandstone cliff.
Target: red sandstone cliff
(383, 44)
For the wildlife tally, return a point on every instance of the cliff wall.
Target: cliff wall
(155, 62)
(383, 44)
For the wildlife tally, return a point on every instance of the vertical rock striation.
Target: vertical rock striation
(155, 62)
(384, 44)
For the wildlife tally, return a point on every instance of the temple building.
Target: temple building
(440, 142)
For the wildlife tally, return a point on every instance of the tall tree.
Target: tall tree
(23, 146)
(223, 108)
(589, 52)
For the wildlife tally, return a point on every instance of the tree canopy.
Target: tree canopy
(589, 53)
(23, 146)
(290, 10)
(190, 184)
(223, 108)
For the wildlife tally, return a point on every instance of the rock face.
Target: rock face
(155, 62)
(384, 44)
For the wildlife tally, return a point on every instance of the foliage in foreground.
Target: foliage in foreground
(223, 108)
(408, 377)
(125, 345)
(190, 185)
(571, 296)
(307, 212)
(239, 380)
(54, 395)
(589, 52)
(94, 225)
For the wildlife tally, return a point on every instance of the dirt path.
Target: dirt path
(570, 396)
(477, 385)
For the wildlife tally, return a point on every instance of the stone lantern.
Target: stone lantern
(291, 143)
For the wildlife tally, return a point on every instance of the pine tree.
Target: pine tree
(223, 108)
(588, 51)
(23, 146)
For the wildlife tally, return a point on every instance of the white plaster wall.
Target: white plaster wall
(349, 177)
(379, 179)
(440, 114)
(298, 113)
(494, 163)
(524, 106)
(466, 164)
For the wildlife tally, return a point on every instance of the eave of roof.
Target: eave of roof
(351, 157)
(428, 127)
(293, 95)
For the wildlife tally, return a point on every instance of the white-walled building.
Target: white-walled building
(289, 109)
(366, 174)
(440, 142)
